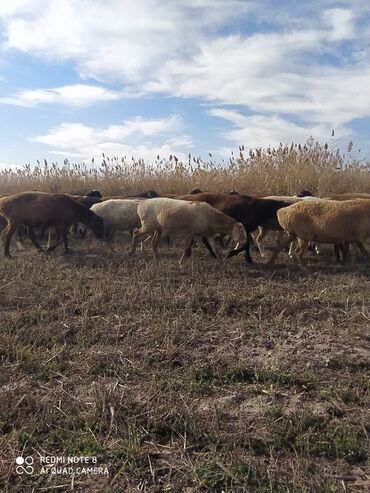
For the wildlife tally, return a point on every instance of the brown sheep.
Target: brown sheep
(45, 209)
(149, 194)
(324, 221)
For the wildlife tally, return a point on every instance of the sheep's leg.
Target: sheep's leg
(337, 253)
(135, 238)
(301, 249)
(168, 241)
(109, 236)
(19, 235)
(53, 247)
(65, 240)
(362, 249)
(292, 248)
(156, 237)
(283, 242)
(83, 231)
(353, 253)
(144, 241)
(49, 240)
(61, 237)
(57, 238)
(43, 231)
(236, 251)
(261, 234)
(209, 247)
(245, 248)
(31, 234)
(205, 243)
(19, 241)
(7, 234)
(19, 246)
(188, 251)
(340, 252)
(216, 250)
(187, 246)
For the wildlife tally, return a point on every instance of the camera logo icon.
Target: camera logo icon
(24, 465)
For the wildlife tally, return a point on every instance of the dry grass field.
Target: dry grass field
(242, 379)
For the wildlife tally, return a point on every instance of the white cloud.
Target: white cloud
(12, 166)
(341, 22)
(137, 137)
(261, 131)
(297, 66)
(12, 7)
(118, 40)
(73, 95)
(272, 73)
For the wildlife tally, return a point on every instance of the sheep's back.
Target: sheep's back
(327, 221)
(175, 215)
(119, 213)
(32, 208)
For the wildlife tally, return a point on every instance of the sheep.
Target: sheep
(262, 231)
(304, 194)
(45, 209)
(340, 250)
(118, 215)
(87, 200)
(349, 196)
(250, 211)
(150, 194)
(94, 193)
(179, 218)
(324, 221)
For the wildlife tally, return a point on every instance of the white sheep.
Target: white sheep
(187, 220)
(324, 221)
(118, 215)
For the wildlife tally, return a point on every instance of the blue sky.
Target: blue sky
(148, 77)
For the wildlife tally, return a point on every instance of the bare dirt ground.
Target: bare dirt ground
(242, 379)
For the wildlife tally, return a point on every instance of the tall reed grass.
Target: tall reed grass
(281, 170)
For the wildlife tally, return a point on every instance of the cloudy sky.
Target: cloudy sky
(148, 77)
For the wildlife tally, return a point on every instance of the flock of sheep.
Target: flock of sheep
(301, 221)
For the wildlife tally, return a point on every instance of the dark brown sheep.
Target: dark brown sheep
(304, 193)
(45, 209)
(87, 201)
(94, 193)
(250, 211)
(149, 194)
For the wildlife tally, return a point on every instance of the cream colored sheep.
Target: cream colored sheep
(262, 231)
(187, 220)
(118, 215)
(349, 196)
(324, 221)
